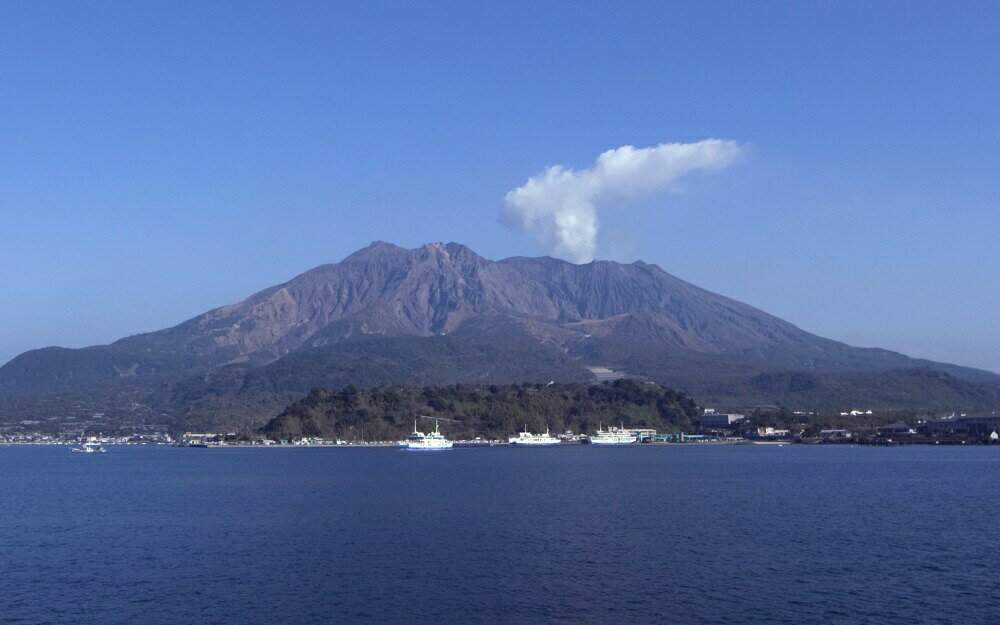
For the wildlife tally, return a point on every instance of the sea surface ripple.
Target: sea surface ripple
(574, 534)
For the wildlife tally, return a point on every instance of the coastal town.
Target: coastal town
(714, 427)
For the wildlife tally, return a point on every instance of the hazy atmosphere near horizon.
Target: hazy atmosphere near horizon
(162, 159)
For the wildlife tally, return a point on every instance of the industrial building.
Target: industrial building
(720, 420)
(982, 423)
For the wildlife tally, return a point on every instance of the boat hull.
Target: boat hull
(535, 444)
(425, 447)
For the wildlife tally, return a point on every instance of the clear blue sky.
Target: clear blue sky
(158, 159)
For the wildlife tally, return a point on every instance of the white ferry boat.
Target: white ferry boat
(430, 441)
(527, 438)
(614, 436)
(89, 448)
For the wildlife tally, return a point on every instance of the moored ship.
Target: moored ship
(614, 436)
(528, 438)
(418, 441)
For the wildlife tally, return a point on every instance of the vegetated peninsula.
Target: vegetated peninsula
(441, 314)
(491, 411)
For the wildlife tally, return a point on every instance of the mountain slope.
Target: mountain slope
(242, 397)
(635, 317)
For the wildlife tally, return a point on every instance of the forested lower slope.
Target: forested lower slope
(386, 413)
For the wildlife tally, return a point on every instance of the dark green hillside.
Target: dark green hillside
(386, 413)
(925, 389)
(726, 379)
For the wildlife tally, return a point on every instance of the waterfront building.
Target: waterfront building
(670, 437)
(834, 434)
(982, 423)
(641, 433)
(896, 429)
(952, 424)
(770, 432)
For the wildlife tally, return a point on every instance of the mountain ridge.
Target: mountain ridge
(635, 316)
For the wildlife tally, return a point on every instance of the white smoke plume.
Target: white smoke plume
(558, 207)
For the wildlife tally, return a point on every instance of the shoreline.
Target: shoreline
(477, 445)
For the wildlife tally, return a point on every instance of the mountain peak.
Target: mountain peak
(376, 246)
(435, 248)
(454, 252)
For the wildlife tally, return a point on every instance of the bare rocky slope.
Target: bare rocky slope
(393, 313)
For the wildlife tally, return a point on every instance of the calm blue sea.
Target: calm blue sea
(576, 534)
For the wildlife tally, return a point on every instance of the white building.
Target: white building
(719, 420)
(770, 432)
